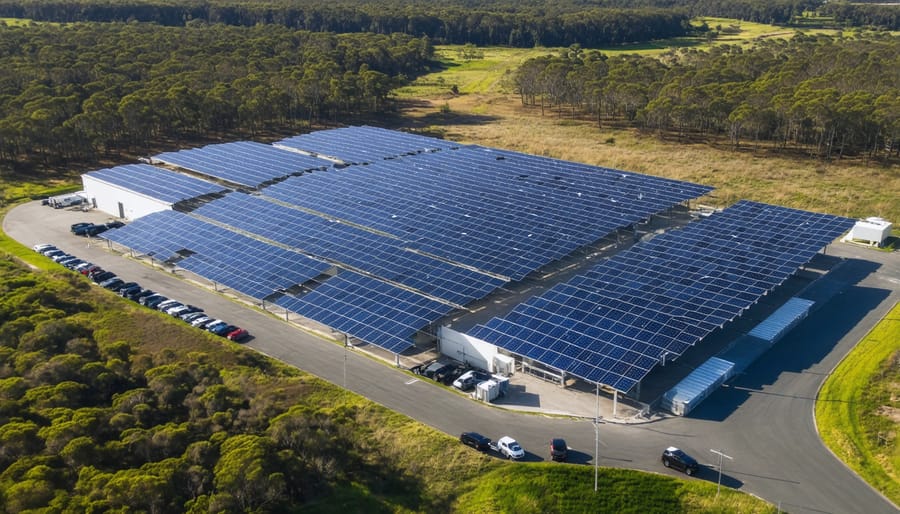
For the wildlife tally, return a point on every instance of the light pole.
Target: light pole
(346, 347)
(721, 455)
(597, 421)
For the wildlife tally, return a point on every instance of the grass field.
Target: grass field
(858, 408)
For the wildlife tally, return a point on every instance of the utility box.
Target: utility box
(871, 231)
(487, 391)
(504, 365)
(502, 384)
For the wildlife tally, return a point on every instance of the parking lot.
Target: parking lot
(763, 417)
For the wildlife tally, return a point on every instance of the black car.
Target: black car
(676, 459)
(102, 276)
(93, 230)
(80, 228)
(559, 450)
(475, 440)
(437, 371)
(129, 290)
(152, 301)
(115, 224)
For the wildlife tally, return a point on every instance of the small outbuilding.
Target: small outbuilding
(871, 231)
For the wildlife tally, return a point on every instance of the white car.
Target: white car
(510, 448)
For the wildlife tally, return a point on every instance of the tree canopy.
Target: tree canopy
(827, 96)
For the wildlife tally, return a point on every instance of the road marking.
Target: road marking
(412, 381)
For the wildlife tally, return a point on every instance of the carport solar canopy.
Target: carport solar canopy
(368, 309)
(357, 145)
(243, 162)
(351, 247)
(501, 212)
(613, 324)
(154, 182)
(244, 264)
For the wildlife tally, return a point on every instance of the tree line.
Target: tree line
(512, 24)
(827, 96)
(882, 15)
(76, 92)
(107, 408)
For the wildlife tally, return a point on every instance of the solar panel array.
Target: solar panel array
(501, 212)
(368, 309)
(242, 263)
(244, 162)
(613, 324)
(350, 246)
(154, 182)
(357, 145)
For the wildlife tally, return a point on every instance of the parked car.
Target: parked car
(102, 276)
(90, 268)
(41, 247)
(181, 310)
(674, 458)
(238, 334)
(94, 230)
(125, 285)
(67, 259)
(51, 254)
(475, 440)
(111, 283)
(559, 450)
(163, 306)
(470, 379)
(154, 301)
(129, 290)
(216, 325)
(114, 224)
(73, 263)
(79, 229)
(511, 449)
(79, 226)
(152, 297)
(49, 250)
(189, 318)
(437, 371)
(202, 321)
(141, 294)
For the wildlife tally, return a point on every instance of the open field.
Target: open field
(858, 410)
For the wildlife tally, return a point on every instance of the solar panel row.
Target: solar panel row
(613, 324)
(357, 145)
(244, 162)
(368, 309)
(244, 264)
(507, 217)
(350, 246)
(154, 182)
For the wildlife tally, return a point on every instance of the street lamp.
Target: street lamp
(597, 421)
(721, 455)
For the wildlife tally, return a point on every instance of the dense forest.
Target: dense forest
(112, 408)
(827, 96)
(523, 23)
(74, 92)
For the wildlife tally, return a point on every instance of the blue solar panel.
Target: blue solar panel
(370, 310)
(351, 247)
(157, 183)
(244, 163)
(242, 263)
(357, 145)
(501, 212)
(615, 322)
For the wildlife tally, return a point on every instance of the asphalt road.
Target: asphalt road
(763, 419)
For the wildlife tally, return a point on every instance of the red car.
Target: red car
(238, 334)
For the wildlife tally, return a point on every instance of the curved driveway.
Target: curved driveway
(763, 419)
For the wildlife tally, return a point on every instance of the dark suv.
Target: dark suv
(475, 440)
(676, 459)
(559, 450)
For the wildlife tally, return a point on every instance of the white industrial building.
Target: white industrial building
(135, 190)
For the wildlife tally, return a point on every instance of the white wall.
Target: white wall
(107, 198)
(463, 348)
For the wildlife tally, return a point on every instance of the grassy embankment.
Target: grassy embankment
(858, 408)
(423, 469)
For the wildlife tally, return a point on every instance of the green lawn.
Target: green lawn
(858, 408)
